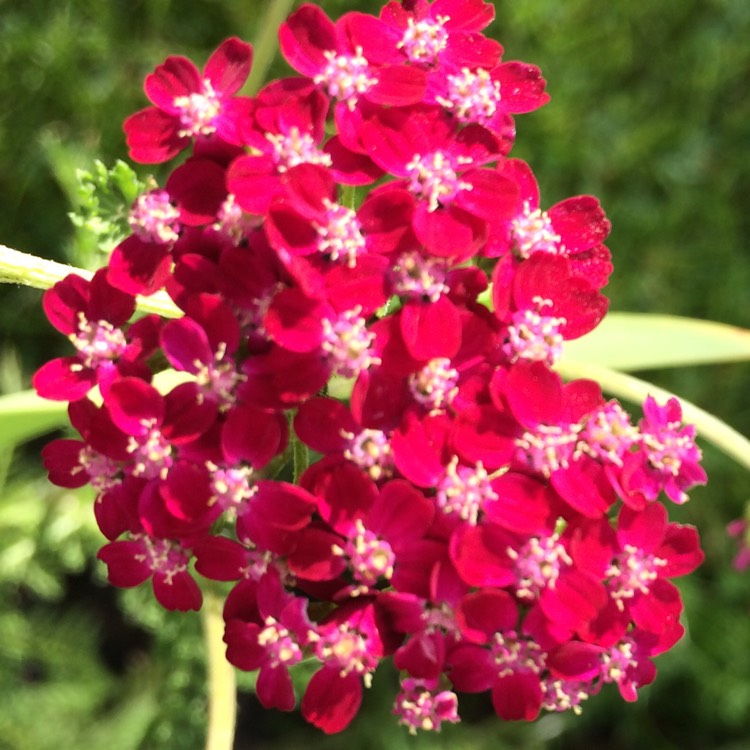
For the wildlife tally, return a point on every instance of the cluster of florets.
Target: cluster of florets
(467, 513)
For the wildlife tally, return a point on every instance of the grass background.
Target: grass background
(650, 112)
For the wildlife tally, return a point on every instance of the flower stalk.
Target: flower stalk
(222, 701)
(31, 270)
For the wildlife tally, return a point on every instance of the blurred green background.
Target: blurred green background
(650, 111)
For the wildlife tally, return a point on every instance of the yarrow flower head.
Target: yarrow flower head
(361, 274)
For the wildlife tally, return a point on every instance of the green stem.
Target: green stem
(724, 437)
(30, 270)
(222, 690)
(265, 44)
(301, 455)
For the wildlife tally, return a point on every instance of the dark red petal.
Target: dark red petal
(576, 661)
(492, 196)
(125, 563)
(398, 86)
(401, 514)
(274, 688)
(305, 36)
(322, 424)
(185, 345)
(518, 696)
(198, 188)
(485, 612)
(253, 435)
(644, 529)
(332, 701)
(522, 86)
(177, 592)
(478, 552)
(580, 222)
(188, 414)
(135, 406)
(534, 394)
(449, 232)
(229, 66)
(431, 330)
(65, 300)
(64, 379)
(175, 77)
(471, 668)
(464, 15)
(139, 267)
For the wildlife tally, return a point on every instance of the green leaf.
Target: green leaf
(642, 341)
(104, 200)
(25, 415)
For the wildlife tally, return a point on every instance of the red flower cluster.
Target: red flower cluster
(469, 514)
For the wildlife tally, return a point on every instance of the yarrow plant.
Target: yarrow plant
(362, 270)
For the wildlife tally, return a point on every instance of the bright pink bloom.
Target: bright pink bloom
(267, 629)
(134, 561)
(93, 314)
(188, 104)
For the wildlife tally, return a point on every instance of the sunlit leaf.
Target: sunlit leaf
(640, 341)
(25, 415)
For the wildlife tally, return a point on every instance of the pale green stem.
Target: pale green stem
(222, 689)
(29, 270)
(266, 42)
(713, 429)
(301, 458)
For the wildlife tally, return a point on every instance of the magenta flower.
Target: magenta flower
(188, 104)
(132, 562)
(93, 314)
(668, 458)
(459, 513)
(267, 629)
(332, 55)
(455, 197)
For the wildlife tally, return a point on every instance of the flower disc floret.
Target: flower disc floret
(564, 695)
(417, 276)
(162, 556)
(346, 77)
(151, 452)
(280, 644)
(231, 487)
(535, 337)
(537, 565)
(548, 448)
(532, 232)
(513, 654)
(345, 648)
(348, 342)
(154, 218)
(97, 342)
(104, 473)
(464, 490)
(435, 385)
(197, 111)
(371, 451)
(370, 558)
(425, 39)
(422, 706)
(433, 177)
(294, 148)
(472, 96)
(219, 379)
(632, 572)
(339, 234)
(607, 434)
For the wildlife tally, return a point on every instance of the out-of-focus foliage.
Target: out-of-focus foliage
(649, 112)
